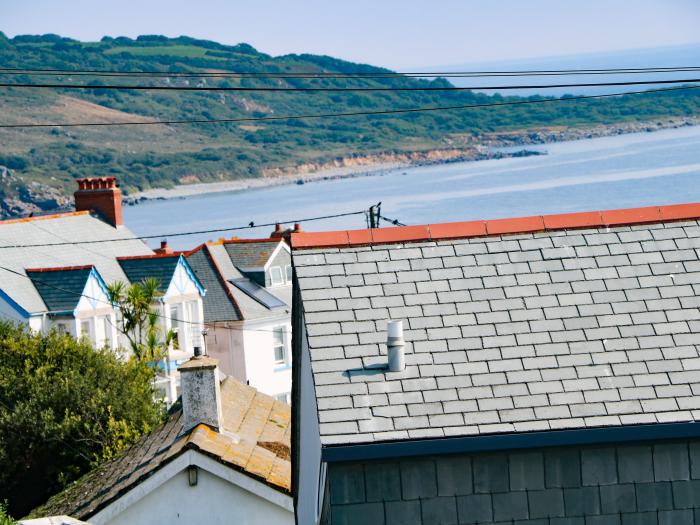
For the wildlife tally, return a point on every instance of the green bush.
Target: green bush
(64, 408)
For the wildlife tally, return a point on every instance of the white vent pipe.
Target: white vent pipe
(395, 345)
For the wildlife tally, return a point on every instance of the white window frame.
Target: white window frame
(275, 346)
(288, 273)
(284, 397)
(280, 281)
(86, 333)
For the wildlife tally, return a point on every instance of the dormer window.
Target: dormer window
(276, 276)
(288, 272)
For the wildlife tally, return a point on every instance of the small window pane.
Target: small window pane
(276, 276)
(278, 343)
(289, 273)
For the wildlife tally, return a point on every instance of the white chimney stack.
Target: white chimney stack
(201, 393)
(395, 345)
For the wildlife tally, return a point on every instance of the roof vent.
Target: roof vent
(395, 345)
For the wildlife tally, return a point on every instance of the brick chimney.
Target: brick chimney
(164, 248)
(281, 233)
(201, 393)
(100, 194)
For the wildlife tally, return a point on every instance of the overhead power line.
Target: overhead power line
(79, 294)
(343, 89)
(249, 226)
(345, 114)
(331, 75)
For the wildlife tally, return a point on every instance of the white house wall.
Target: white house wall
(7, 311)
(94, 306)
(261, 371)
(213, 501)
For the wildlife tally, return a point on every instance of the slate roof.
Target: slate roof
(109, 242)
(60, 289)
(219, 302)
(161, 267)
(212, 263)
(584, 320)
(250, 253)
(256, 442)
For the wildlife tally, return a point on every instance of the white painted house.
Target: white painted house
(224, 458)
(48, 262)
(247, 309)
(54, 270)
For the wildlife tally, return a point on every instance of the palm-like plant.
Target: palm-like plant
(139, 320)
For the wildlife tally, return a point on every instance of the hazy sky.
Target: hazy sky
(392, 33)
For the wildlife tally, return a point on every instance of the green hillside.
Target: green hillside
(161, 156)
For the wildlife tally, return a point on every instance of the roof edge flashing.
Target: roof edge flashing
(499, 442)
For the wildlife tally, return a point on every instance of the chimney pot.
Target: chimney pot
(297, 227)
(100, 194)
(395, 345)
(164, 248)
(201, 393)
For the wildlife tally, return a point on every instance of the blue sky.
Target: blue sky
(394, 33)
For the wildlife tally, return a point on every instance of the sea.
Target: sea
(639, 169)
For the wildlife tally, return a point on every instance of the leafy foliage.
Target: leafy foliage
(64, 408)
(163, 156)
(138, 320)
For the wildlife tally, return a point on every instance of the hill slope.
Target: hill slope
(43, 162)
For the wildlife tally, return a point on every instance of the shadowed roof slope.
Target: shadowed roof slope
(61, 288)
(573, 325)
(256, 442)
(250, 253)
(219, 302)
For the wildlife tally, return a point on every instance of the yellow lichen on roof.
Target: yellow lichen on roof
(255, 437)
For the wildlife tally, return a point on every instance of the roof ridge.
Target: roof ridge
(61, 268)
(45, 217)
(150, 256)
(483, 228)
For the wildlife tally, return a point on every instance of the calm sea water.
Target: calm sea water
(612, 172)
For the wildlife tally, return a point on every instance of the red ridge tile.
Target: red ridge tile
(359, 237)
(456, 230)
(402, 233)
(59, 268)
(565, 221)
(516, 225)
(319, 239)
(680, 211)
(630, 216)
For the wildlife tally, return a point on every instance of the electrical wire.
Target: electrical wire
(395, 222)
(331, 75)
(347, 114)
(343, 89)
(181, 234)
(108, 303)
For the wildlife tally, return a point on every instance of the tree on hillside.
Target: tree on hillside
(138, 320)
(64, 407)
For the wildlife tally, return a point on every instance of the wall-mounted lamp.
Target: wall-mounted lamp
(192, 473)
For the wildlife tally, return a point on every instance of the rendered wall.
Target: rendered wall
(212, 501)
(261, 371)
(630, 484)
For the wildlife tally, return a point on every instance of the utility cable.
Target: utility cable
(112, 87)
(331, 75)
(348, 114)
(181, 234)
(109, 303)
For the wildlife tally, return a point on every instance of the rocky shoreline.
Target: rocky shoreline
(484, 147)
(21, 200)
